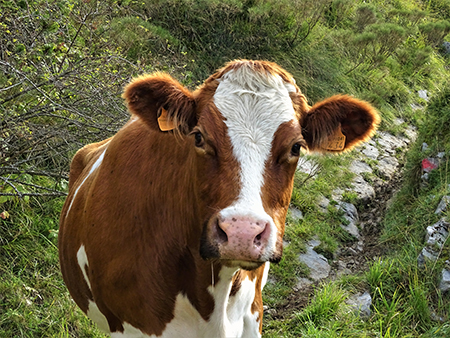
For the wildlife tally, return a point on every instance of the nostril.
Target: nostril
(221, 235)
(257, 241)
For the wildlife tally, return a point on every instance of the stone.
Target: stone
(323, 204)
(359, 167)
(296, 214)
(317, 263)
(387, 167)
(411, 133)
(446, 47)
(302, 283)
(370, 151)
(443, 204)
(389, 143)
(425, 255)
(360, 304)
(444, 285)
(437, 233)
(363, 189)
(424, 146)
(351, 215)
(423, 94)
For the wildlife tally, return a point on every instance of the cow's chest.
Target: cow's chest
(232, 315)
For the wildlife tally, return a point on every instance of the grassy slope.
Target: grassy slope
(191, 39)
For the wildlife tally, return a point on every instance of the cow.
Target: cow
(170, 226)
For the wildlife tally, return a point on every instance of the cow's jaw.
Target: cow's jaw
(253, 106)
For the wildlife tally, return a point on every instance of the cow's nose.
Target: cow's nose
(242, 238)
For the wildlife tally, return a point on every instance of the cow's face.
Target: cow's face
(247, 125)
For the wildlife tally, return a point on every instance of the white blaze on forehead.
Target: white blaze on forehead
(254, 105)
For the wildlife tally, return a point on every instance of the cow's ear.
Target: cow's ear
(162, 102)
(338, 124)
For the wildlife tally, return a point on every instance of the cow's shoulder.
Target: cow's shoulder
(83, 158)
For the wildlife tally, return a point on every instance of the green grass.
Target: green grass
(34, 301)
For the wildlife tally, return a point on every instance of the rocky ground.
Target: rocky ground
(377, 177)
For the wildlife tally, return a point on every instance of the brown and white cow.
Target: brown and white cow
(170, 233)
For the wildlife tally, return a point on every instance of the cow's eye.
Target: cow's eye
(199, 141)
(295, 150)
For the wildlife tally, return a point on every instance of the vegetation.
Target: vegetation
(63, 65)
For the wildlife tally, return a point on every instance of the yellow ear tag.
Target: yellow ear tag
(164, 123)
(336, 141)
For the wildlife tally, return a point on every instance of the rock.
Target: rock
(302, 283)
(296, 214)
(437, 234)
(424, 146)
(370, 151)
(387, 167)
(389, 143)
(342, 269)
(444, 285)
(423, 94)
(411, 133)
(317, 264)
(359, 167)
(364, 190)
(425, 255)
(415, 106)
(446, 47)
(443, 204)
(360, 304)
(351, 215)
(336, 194)
(324, 203)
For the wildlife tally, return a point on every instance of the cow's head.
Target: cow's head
(247, 125)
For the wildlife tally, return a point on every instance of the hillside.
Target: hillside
(63, 65)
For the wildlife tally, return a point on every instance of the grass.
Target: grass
(34, 301)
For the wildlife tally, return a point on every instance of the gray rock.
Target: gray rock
(364, 190)
(324, 203)
(389, 143)
(426, 255)
(370, 151)
(424, 146)
(302, 283)
(317, 264)
(296, 214)
(444, 285)
(415, 106)
(360, 304)
(446, 47)
(437, 234)
(359, 167)
(387, 167)
(423, 94)
(411, 133)
(351, 215)
(443, 204)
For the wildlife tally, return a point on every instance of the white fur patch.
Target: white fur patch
(94, 166)
(254, 106)
(232, 317)
(83, 263)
